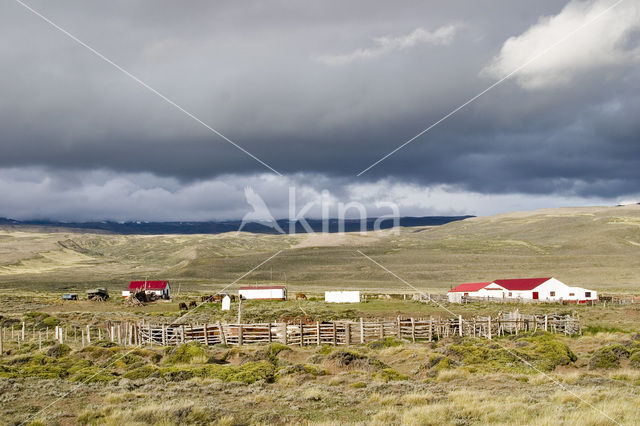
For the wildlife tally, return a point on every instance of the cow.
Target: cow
(192, 304)
(301, 296)
(183, 306)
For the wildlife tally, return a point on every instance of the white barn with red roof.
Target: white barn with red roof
(159, 289)
(486, 290)
(546, 289)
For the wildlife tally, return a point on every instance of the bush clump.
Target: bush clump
(58, 350)
(249, 372)
(607, 357)
(346, 358)
(188, 353)
(142, 372)
(390, 375)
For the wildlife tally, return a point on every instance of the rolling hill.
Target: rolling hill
(596, 247)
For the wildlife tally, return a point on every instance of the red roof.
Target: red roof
(272, 287)
(148, 285)
(470, 287)
(521, 283)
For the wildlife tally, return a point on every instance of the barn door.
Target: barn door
(535, 295)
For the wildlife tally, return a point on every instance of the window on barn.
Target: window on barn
(510, 294)
(552, 294)
(587, 294)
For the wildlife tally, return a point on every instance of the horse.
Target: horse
(301, 296)
(192, 304)
(183, 306)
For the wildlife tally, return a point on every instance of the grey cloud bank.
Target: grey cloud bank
(80, 140)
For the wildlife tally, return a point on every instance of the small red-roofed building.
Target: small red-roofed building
(487, 289)
(158, 289)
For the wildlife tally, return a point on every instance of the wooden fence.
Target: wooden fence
(349, 332)
(302, 334)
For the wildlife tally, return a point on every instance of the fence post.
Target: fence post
(546, 322)
(223, 339)
(301, 334)
(23, 330)
(413, 330)
(240, 338)
(361, 330)
(318, 332)
(431, 329)
(285, 337)
(269, 327)
(88, 334)
(399, 327)
(1, 338)
(460, 325)
(335, 335)
(347, 333)
(489, 327)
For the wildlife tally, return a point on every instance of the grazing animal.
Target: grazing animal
(206, 298)
(218, 297)
(183, 306)
(192, 304)
(301, 296)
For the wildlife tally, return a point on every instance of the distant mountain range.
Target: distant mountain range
(155, 228)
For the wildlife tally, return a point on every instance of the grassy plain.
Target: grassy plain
(591, 379)
(597, 247)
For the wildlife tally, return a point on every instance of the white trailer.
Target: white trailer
(342, 296)
(263, 292)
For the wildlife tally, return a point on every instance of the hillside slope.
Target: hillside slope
(597, 247)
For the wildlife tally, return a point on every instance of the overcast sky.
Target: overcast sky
(318, 91)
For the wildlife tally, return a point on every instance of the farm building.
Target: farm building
(543, 289)
(277, 292)
(342, 296)
(456, 294)
(158, 289)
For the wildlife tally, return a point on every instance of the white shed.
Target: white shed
(342, 296)
(276, 292)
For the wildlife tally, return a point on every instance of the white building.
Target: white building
(456, 294)
(544, 289)
(276, 292)
(342, 296)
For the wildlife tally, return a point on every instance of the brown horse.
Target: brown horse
(183, 306)
(192, 304)
(301, 296)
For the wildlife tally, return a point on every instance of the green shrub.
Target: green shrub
(93, 374)
(634, 360)
(348, 358)
(188, 353)
(272, 351)
(141, 372)
(58, 350)
(249, 372)
(605, 358)
(390, 375)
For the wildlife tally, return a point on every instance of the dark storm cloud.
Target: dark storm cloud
(258, 72)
